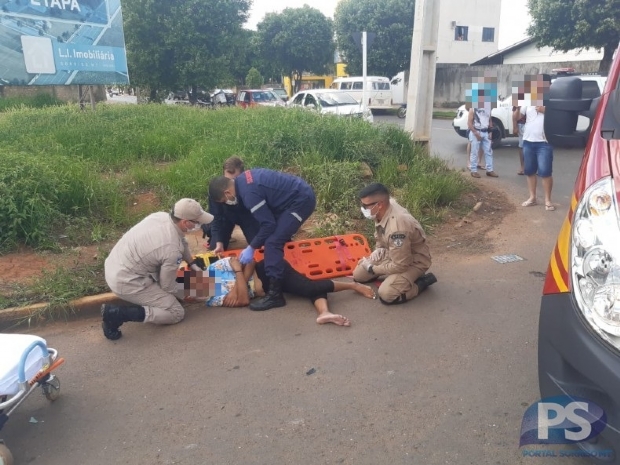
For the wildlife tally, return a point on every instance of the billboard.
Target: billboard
(62, 42)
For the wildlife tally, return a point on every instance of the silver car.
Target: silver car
(330, 102)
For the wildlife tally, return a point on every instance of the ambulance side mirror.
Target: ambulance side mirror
(563, 104)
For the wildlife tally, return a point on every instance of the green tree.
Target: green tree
(183, 43)
(254, 80)
(577, 24)
(390, 20)
(297, 40)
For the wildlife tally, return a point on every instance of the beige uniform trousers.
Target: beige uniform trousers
(160, 307)
(394, 285)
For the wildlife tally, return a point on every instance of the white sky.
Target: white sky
(514, 17)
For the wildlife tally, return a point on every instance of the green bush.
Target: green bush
(36, 101)
(60, 165)
(254, 80)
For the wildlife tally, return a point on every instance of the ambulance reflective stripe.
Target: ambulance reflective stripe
(557, 279)
(258, 205)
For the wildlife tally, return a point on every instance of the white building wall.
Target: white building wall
(473, 14)
(531, 54)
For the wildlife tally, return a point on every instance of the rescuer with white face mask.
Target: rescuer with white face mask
(401, 256)
(142, 268)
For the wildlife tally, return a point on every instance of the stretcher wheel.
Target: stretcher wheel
(51, 389)
(6, 458)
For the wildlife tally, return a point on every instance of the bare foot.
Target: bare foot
(366, 291)
(329, 317)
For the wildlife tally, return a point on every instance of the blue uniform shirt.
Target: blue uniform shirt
(268, 194)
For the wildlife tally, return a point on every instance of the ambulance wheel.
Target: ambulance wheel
(6, 458)
(51, 389)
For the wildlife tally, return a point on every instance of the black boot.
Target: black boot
(114, 316)
(273, 299)
(424, 281)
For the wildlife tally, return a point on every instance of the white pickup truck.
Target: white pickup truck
(502, 115)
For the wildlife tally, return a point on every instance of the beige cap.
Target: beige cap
(189, 209)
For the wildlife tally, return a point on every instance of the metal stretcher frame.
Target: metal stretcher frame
(27, 386)
(43, 378)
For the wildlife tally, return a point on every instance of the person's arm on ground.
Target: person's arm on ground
(239, 295)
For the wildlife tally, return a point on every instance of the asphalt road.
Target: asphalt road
(443, 379)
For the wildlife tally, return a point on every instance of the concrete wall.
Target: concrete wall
(65, 93)
(451, 79)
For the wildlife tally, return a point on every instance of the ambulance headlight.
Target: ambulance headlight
(595, 259)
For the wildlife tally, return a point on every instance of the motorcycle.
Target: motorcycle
(402, 111)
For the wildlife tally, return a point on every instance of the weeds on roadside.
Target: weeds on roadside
(61, 167)
(35, 101)
(57, 288)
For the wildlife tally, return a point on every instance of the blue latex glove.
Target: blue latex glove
(247, 255)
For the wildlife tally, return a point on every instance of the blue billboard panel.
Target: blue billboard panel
(62, 42)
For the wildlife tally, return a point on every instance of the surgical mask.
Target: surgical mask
(195, 228)
(367, 213)
(234, 201)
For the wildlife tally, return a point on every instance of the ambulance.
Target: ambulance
(579, 324)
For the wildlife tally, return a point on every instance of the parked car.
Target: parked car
(579, 323)
(258, 97)
(330, 102)
(502, 115)
(280, 93)
(178, 95)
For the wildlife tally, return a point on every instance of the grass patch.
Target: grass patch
(61, 165)
(440, 114)
(70, 177)
(35, 101)
(56, 288)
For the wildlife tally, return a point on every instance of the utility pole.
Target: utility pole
(422, 71)
(364, 40)
(364, 52)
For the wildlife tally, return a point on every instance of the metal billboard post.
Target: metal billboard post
(421, 90)
(364, 63)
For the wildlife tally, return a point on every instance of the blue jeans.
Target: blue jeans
(537, 158)
(485, 142)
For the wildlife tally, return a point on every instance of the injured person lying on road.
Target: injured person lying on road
(227, 283)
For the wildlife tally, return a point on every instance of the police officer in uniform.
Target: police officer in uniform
(280, 203)
(228, 214)
(142, 268)
(401, 254)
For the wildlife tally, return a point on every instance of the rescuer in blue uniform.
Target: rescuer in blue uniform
(228, 214)
(280, 203)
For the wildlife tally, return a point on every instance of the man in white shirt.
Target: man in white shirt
(480, 125)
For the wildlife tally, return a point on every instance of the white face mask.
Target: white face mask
(367, 214)
(234, 201)
(196, 227)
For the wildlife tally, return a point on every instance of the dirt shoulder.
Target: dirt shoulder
(471, 227)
